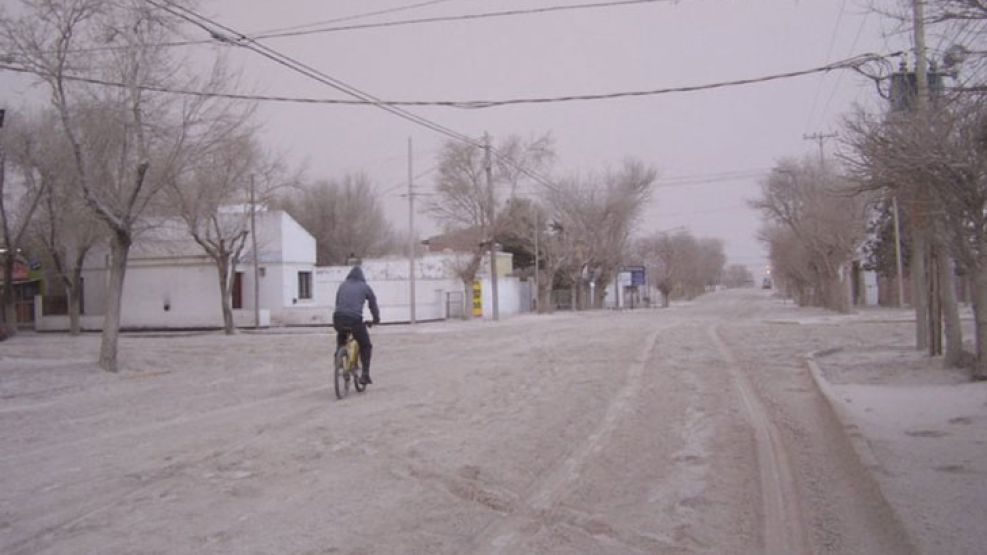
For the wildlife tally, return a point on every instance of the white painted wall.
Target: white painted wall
(389, 277)
(183, 293)
(509, 293)
(188, 285)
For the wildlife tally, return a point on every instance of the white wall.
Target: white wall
(389, 279)
(180, 293)
(297, 246)
(509, 293)
(190, 286)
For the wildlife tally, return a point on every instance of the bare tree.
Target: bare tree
(592, 218)
(63, 227)
(817, 207)
(225, 177)
(964, 10)
(737, 275)
(905, 158)
(626, 193)
(467, 205)
(947, 153)
(124, 139)
(707, 268)
(665, 258)
(18, 200)
(681, 264)
(345, 216)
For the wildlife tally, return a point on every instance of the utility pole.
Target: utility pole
(820, 137)
(537, 287)
(411, 235)
(922, 241)
(897, 253)
(253, 242)
(491, 214)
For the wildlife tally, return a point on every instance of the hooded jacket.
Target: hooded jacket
(352, 293)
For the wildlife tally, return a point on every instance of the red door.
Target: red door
(238, 290)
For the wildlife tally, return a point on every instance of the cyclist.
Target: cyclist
(349, 316)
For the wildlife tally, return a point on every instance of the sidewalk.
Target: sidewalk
(922, 429)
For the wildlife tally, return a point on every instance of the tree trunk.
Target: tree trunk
(73, 288)
(979, 282)
(72, 294)
(225, 298)
(920, 285)
(119, 250)
(545, 293)
(953, 352)
(9, 308)
(467, 299)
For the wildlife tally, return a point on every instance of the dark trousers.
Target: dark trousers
(347, 323)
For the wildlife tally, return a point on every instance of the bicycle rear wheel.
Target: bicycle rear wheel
(341, 377)
(360, 386)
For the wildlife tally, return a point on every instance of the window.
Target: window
(304, 285)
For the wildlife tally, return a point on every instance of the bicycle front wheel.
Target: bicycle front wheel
(356, 376)
(341, 377)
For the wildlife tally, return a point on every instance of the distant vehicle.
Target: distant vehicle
(766, 283)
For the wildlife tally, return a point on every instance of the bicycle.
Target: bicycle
(347, 366)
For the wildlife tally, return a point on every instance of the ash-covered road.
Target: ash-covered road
(694, 429)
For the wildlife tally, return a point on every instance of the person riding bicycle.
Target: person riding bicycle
(349, 316)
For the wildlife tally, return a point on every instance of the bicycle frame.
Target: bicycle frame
(352, 352)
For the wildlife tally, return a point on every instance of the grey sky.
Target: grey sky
(646, 46)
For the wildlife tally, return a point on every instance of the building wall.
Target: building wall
(510, 295)
(297, 245)
(189, 287)
(165, 294)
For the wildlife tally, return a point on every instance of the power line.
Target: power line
(703, 179)
(463, 17)
(354, 16)
(850, 63)
(829, 53)
(839, 77)
(396, 23)
(243, 41)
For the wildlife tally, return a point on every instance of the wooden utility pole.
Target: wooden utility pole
(919, 202)
(537, 282)
(491, 215)
(820, 137)
(253, 242)
(897, 253)
(937, 276)
(411, 236)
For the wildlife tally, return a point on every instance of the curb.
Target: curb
(858, 441)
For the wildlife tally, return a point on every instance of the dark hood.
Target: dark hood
(356, 274)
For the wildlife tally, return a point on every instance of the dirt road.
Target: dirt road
(694, 429)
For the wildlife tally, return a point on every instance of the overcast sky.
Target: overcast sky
(662, 44)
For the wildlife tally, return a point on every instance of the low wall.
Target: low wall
(89, 322)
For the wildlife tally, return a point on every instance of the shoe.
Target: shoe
(365, 379)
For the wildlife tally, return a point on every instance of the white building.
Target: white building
(172, 284)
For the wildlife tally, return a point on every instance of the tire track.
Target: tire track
(503, 534)
(43, 537)
(783, 531)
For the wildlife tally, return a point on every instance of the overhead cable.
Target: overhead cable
(462, 17)
(356, 16)
(278, 33)
(243, 41)
(854, 62)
